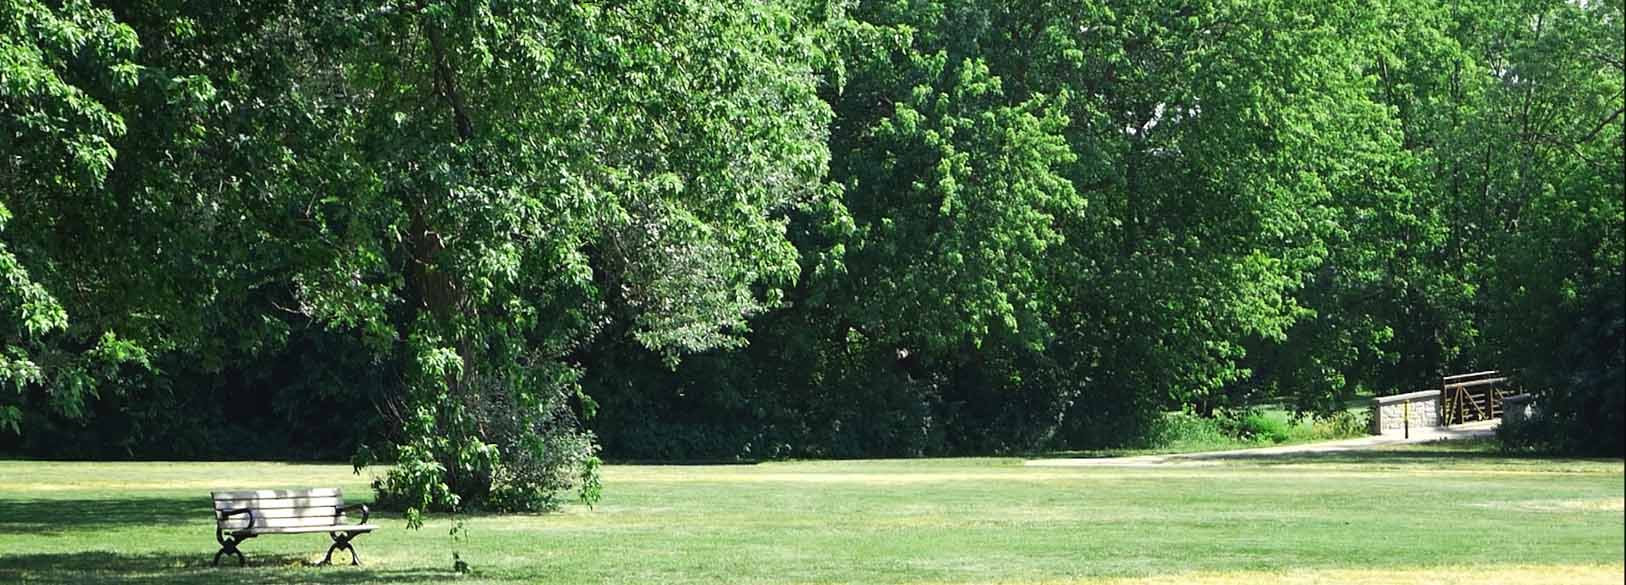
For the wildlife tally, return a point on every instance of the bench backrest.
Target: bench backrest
(280, 508)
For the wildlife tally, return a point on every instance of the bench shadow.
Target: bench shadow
(77, 517)
(101, 567)
(52, 517)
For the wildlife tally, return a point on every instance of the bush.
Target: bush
(1533, 435)
(1578, 378)
(532, 451)
(1185, 428)
(1343, 424)
(1260, 426)
(1254, 425)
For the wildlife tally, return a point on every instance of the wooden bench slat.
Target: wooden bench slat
(307, 529)
(239, 522)
(267, 494)
(260, 513)
(278, 503)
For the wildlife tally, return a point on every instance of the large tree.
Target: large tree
(469, 191)
(531, 170)
(61, 69)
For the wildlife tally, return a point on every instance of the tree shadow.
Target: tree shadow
(49, 517)
(78, 517)
(101, 567)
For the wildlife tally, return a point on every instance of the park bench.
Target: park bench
(241, 515)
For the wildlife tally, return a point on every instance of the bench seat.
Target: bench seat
(241, 515)
(354, 528)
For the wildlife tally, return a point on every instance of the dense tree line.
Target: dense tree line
(456, 235)
(1060, 219)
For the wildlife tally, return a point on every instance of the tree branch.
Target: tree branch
(446, 83)
(1601, 125)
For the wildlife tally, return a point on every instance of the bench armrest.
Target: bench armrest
(362, 507)
(224, 514)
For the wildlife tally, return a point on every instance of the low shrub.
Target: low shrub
(1255, 425)
(1528, 436)
(1242, 428)
(1344, 424)
(1185, 428)
(534, 453)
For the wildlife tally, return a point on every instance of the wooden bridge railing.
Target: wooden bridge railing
(1473, 397)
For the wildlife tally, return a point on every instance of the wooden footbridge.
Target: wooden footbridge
(1466, 398)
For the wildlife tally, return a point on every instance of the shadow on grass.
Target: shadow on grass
(100, 567)
(84, 518)
(52, 517)
(47, 517)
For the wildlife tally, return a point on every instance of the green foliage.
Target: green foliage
(1580, 386)
(57, 65)
(1556, 292)
(1283, 204)
(1343, 424)
(1182, 431)
(1253, 425)
(454, 229)
(1177, 432)
(575, 176)
(408, 180)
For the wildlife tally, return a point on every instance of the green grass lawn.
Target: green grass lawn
(1417, 515)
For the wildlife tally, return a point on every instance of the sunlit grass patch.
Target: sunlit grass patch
(1412, 516)
(1445, 575)
(1551, 505)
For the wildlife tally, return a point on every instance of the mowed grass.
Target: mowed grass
(1419, 515)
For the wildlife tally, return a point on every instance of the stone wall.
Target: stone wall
(1389, 412)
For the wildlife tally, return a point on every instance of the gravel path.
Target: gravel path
(1451, 433)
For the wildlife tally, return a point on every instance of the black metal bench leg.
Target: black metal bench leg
(228, 546)
(328, 560)
(341, 541)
